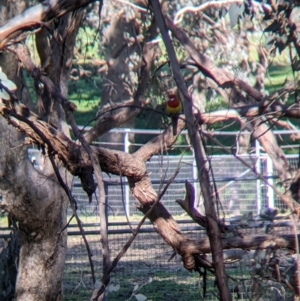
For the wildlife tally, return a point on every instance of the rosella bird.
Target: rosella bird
(174, 108)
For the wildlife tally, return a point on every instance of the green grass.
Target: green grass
(3, 221)
(86, 94)
(164, 285)
(277, 76)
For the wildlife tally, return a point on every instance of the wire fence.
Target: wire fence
(144, 265)
(146, 268)
(239, 188)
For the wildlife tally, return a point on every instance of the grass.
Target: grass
(160, 285)
(277, 76)
(3, 221)
(163, 286)
(86, 94)
(95, 219)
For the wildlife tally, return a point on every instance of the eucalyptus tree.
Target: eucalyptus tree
(141, 44)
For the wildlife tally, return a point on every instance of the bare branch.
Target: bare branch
(161, 142)
(34, 17)
(188, 205)
(214, 4)
(275, 110)
(112, 116)
(137, 7)
(213, 229)
(105, 278)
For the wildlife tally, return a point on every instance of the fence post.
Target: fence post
(270, 191)
(258, 170)
(106, 207)
(126, 194)
(195, 180)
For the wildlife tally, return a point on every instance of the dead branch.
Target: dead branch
(213, 229)
(275, 110)
(213, 4)
(35, 16)
(188, 205)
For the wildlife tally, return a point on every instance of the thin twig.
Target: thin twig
(73, 204)
(292, 205)
(213, 230)
(105, 278)
(67, 224)
(139, 8)
(122, 194)
(195, 9)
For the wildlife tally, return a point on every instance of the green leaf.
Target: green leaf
(11, 86)
(113, 288)
(270, 42)
(2, 75)
(140, 297)
(4, 94)
(273, 27)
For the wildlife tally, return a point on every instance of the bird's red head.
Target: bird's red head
(173, 100)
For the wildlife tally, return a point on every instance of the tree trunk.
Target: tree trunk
(34, 200)
(38, 204)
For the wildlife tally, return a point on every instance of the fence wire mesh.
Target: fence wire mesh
(146, 268)
(146, 265)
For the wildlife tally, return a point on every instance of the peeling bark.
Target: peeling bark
(33, 198)
(39, 205)
(33, 17)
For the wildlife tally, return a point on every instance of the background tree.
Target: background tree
(211, 57)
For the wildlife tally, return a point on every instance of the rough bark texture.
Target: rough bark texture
(34, 198)
(39, 205)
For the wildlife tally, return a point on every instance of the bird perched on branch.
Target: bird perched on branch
(174, 108)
